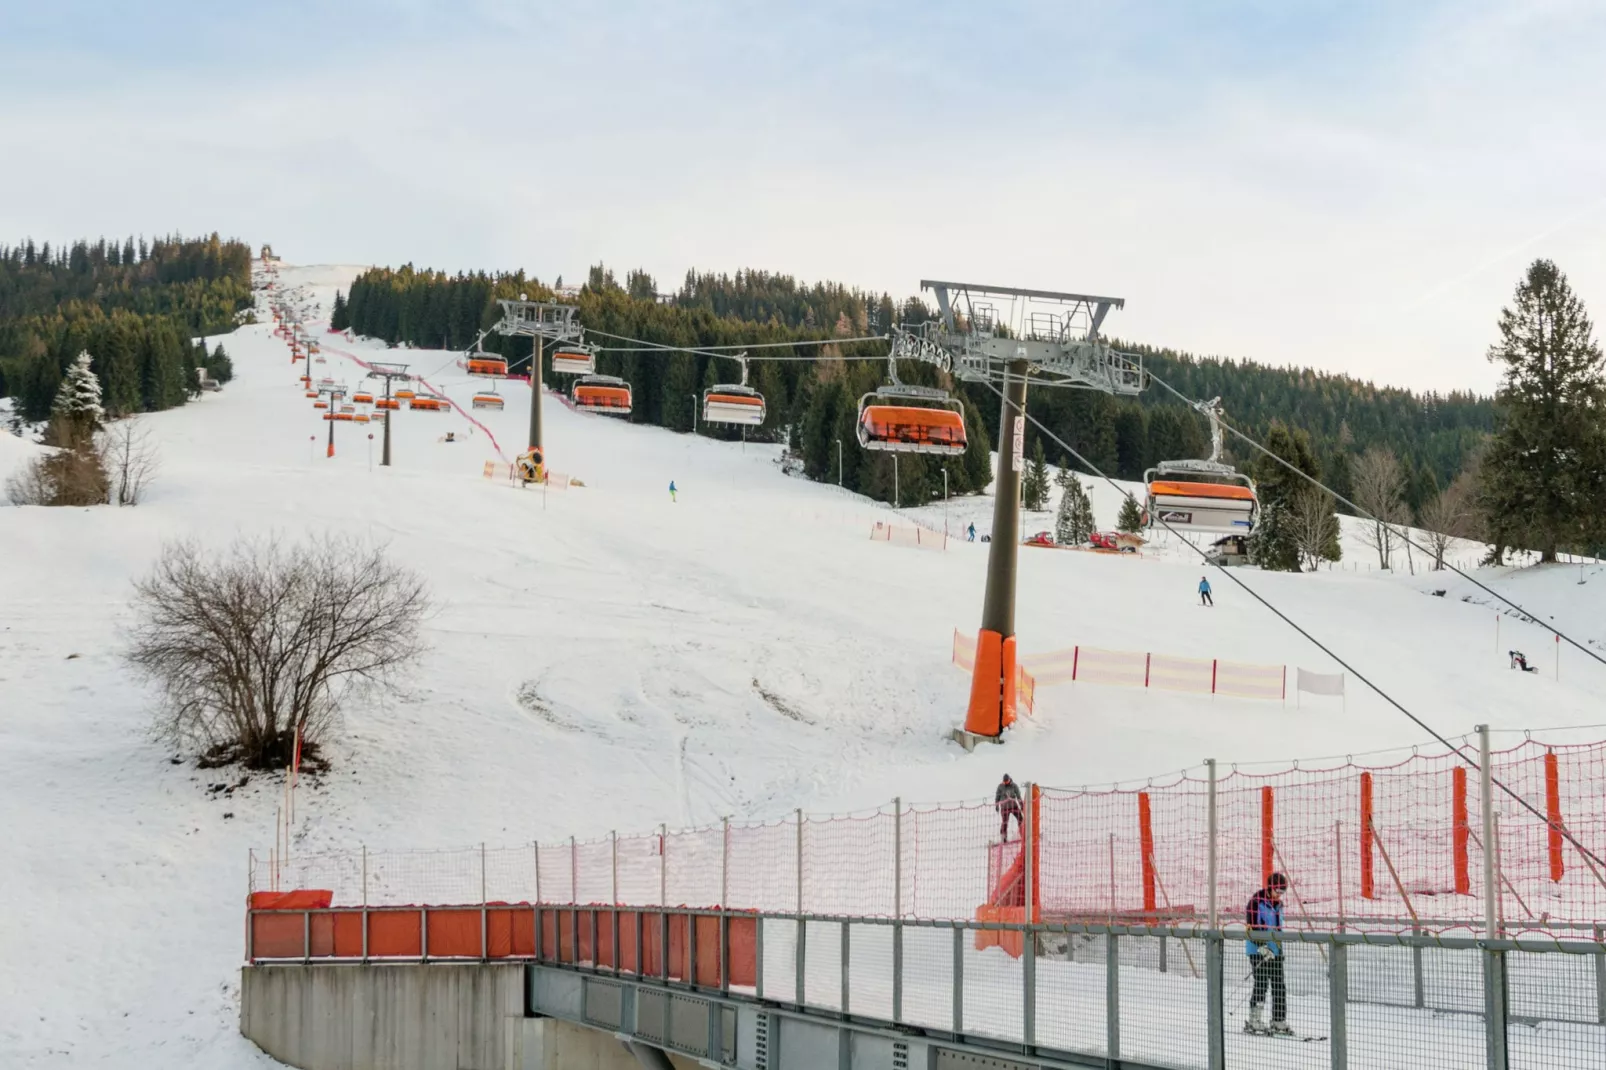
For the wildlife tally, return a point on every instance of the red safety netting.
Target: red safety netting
(1393, 842)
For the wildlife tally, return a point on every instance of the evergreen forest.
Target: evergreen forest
(1433, 435)
(134, 306)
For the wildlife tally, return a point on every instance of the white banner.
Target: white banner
(1321, 683)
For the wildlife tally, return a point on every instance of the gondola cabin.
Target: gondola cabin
(486, 366)
(911, 429)
(569, 360)
(733, 405)
(604, 394)
(487, 401)
(1225, 504)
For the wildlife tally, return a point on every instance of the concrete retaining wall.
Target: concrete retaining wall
(412, 1017)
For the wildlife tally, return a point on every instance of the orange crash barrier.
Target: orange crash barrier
(301, 925)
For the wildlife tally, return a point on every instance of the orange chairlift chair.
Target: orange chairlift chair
(911, 419)
(604, 394)
(1207, 495)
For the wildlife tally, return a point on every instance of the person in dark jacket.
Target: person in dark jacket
(1264, 918)
(1007, 801)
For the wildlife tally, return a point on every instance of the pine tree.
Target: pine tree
(1034, 487)
(340, 315)
(1274, 544)
(1073, 523)
(77, 413)
(1544, 476)
(1131, 517)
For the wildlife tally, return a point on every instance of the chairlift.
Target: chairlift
(911, 419)
(427, 403)
(574, 360)
(362, 397)
(386, 403)
(312, 393)
(404, 393)
(487, 399)
(483, 365)
(320, 404)
(362, 418)
(606, 394)
(734, 403)
(348, 408)
(1208, 495)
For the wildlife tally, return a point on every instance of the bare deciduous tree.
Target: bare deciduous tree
(253, 642)
(1452, 514)
(1315, 526)
(1380, 490)
(130, 458)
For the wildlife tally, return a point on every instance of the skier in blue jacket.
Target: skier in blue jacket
(1265, 917)
(1204, 592)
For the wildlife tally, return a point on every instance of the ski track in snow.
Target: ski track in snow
(743, 651)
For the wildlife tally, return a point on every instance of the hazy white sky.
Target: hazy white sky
(1356, 187)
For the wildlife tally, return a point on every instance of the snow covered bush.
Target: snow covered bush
(250, 643)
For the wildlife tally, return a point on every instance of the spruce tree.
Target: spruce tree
(1544, 476)
(1034, 487)
(1274, 543)
(77, 414)
(1073, 523)
(340, 315)
(1131, 518)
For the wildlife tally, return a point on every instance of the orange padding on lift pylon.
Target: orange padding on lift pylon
(992, 685)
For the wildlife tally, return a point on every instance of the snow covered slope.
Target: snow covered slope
(602, 658)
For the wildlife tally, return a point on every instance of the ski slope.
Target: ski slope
(602, 658)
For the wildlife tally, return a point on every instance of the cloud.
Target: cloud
(1351, 188)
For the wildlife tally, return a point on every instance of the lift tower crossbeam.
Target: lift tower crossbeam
(1008, 337)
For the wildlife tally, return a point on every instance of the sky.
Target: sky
(1352, 187)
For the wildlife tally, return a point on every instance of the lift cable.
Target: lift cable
(1324, 648)
(1399, 531)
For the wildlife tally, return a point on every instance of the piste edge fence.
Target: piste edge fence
(1108, 923)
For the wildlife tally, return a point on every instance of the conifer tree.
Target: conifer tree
(77, 411)
(1131, 517)
(1073, 523)
(1544, 476)
(1034, 487)
(1274, 544)
(340, 315)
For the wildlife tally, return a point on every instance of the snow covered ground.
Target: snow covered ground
(603, 658)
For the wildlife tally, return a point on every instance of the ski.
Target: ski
(1269, 1035)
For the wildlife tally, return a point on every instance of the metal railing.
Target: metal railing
(1141, 996)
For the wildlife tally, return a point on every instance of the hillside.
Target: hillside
(601, 659)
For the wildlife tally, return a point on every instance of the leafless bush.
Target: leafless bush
(61, 477)
(252, 642)
(130, 459)
(1380, 490)
(1452, 514)
(1315, 527)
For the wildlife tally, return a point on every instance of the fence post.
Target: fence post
(663, 871)
(613, 921)
(365, 904)
(802, 926)
(1210, 847)
(1215, 986)
(1337, 996)
(1112, 998)
(485, 916)
(1600, 975)
(724, 862)
(574, 871)
(846, 952)
(1028, 935)
(536, 846)
(897, 910)
(1494, 965)
(959, 979)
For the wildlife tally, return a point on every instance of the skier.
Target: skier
(1204, 592)
(1007, 800)
(1265, 915)
(1520, 661)
(972, 532)
(671, 490)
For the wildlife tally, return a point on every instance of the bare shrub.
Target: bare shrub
(252, 642)
(62, 477)
(1315, 527)
(1380, 490)
(1452, 514)
(130, 458)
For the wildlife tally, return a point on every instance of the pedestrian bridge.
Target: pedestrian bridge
(526, 986)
